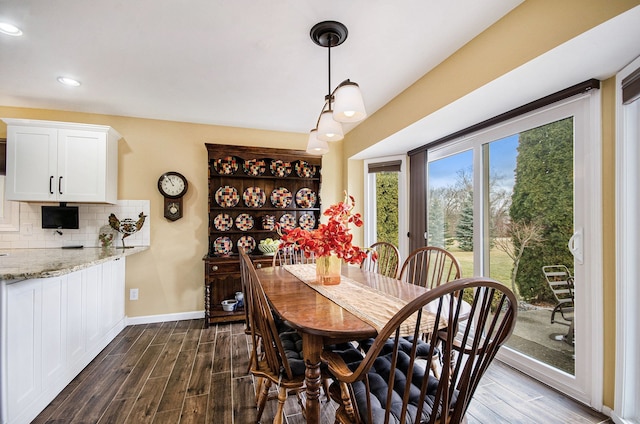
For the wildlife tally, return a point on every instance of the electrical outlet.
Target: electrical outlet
(133, 294)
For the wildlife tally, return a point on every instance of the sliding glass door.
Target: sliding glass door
(513, 203)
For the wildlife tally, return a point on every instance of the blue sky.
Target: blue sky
(502, 160)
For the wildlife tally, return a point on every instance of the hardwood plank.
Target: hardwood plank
(191, 339)
(147, 402)
(200, 380)
(117, 411)
(164, 333)
(239, 355)
(222, 353)
(168, 357)
(167, 417)
(195, 410)
(139, 374)
(174, 393)
(244, 401)
(220, 399)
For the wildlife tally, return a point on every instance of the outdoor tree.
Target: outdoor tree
(464, 230)
(387, 207)
(521, 235)
(543, 193)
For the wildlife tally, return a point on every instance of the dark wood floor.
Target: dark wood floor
(179, 372)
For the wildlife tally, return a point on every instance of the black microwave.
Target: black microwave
(60, 217)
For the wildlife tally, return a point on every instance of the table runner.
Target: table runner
(372, 306)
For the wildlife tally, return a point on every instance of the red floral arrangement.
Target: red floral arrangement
(332, 238)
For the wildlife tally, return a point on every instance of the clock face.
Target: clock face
(172, 185)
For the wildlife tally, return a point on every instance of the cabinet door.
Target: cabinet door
(81, 166)
(24, 345)
(93, 291)
(31, 163)
(76, 321)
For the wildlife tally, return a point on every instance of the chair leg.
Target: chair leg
(282, 398)
(263, 396)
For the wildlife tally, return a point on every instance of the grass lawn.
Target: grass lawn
(500, 264)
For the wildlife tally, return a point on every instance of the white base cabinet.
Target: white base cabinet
(51, 328)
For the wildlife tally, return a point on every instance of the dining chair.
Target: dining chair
(429, 267)
(276, 357)
(386, 262)
(289, 255)
(392, 383)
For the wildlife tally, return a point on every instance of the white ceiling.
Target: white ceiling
(245, 63)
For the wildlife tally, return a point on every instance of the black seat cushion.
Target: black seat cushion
(378, 377)
(422, 351)
(292, 344)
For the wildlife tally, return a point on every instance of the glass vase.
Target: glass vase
(328, 270)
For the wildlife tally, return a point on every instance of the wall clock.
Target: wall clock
(173, 186)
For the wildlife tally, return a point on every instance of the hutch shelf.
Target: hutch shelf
(251, 189)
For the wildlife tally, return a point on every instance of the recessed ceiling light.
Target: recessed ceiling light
(9, 29)
(69, 81)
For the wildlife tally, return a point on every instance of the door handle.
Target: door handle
(51, 184)
(576, 246)
(60, 185)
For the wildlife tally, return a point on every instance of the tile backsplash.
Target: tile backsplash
(92, 217)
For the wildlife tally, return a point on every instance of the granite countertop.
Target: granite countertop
(20, 264)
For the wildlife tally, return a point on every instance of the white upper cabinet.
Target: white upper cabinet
(61, 161)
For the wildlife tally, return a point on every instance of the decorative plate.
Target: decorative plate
(226, 166)
(288, 221)
(306, 198)
(281, 197)
(280, 168)
(307, 221)
(246, 243)
(222, 246)
(254, 197)
(227, 197)
(254, 167)
(223, 222)
(305, 170)
(244, 222)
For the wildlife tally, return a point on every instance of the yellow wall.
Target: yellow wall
(170, 274)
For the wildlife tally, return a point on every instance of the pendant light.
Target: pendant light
(344, 104)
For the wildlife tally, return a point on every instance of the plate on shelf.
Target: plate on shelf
(226, 166)
(281, 197)
(244, 222)
(222, 246)
(280, 168)
(305, 170)
(222, 222)
(246, 243)
(306, 198)
(307, 221)
(254, 197)
(254, 167)
(227, 196)
(287, 221)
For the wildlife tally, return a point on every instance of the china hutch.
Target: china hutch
(253, 191)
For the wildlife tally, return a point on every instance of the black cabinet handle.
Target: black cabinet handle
(60, 185)
(51, 184)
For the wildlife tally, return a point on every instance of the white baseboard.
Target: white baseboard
(149, 319)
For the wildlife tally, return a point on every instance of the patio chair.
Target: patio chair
(561, 283)
(392, 384)
(387, 261)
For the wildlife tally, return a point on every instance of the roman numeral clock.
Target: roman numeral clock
(173, 186)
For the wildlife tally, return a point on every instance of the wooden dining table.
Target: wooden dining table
(322, 322)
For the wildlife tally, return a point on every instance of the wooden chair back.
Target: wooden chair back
(263, 329)
(379, 390)
(387, 262)
(291, 256)
(430, 267)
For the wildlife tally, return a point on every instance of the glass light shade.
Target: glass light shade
(328, 129)
(315, 146)
(348, 105)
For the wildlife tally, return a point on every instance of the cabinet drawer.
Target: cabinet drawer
(223, 268)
